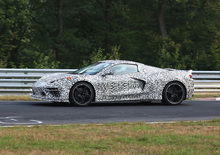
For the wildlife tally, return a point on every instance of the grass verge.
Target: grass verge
(205, 95)
(16, 98)
(115, 138)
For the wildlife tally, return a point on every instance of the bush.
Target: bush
(46, 61)
(170, 55)
(99, 55)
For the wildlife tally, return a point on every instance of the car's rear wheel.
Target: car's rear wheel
(81, 94)
(174, 93)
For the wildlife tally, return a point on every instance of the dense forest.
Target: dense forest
(182, 34)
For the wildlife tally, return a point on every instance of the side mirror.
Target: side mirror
(107, 73)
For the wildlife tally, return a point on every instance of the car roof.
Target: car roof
(131, 62)
(120, 61)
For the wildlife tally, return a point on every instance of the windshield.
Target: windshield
(92, 69)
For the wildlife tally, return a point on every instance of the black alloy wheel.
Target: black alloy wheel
(82, 94)
(174, 93)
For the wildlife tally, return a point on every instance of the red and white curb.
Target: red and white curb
(209, 99)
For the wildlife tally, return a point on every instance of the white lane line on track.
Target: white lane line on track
(10, 117)
(10, 120)
(37, 121)
(32, 122)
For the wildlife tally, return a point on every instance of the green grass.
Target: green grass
(114, 138)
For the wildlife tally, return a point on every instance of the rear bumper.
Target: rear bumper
(190, 89)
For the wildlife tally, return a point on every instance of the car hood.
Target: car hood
(56, 76)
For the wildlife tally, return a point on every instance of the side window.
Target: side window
(124, 69)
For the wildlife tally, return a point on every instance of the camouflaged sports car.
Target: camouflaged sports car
(115, 81)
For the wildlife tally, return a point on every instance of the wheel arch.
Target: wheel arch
(84, 82)
(179, 83)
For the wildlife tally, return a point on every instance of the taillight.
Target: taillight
(190, 75)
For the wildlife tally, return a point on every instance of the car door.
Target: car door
(121, 83)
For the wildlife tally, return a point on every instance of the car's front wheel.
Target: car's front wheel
(81, 94)
(174, 93)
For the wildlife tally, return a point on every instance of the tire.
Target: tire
(81, 94)
(174, 93)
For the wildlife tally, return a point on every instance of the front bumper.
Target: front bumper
(47, 94)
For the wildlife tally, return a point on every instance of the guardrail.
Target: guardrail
(207, 81)
(20, 81)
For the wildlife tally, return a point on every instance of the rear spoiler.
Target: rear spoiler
(170, 69)
(188, 72)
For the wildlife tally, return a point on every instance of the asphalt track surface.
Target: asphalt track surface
(35, 113)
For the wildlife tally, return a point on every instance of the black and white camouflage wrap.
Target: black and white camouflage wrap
(145, 85)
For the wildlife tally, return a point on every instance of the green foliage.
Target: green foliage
(46, 61)
(170, 56)
(63, 34)
(15, 29)
(114, 54)
(98, 55)
(3, 63)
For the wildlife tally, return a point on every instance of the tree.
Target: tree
(15, 29)
(61, 33)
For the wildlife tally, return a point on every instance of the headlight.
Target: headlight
(69, 77)
(65, 78)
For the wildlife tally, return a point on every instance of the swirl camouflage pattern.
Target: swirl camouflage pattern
(115, 81)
